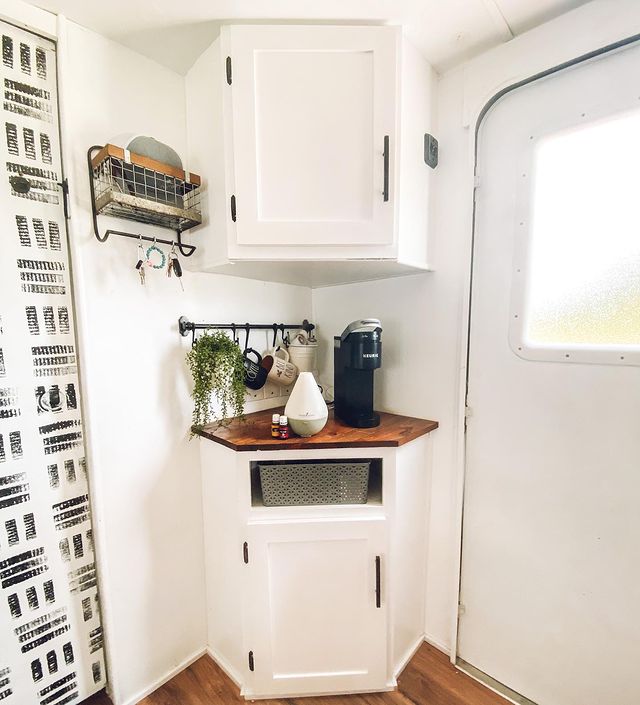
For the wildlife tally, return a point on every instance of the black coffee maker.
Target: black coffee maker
(356, 354)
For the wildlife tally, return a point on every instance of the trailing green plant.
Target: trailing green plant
(217, 368)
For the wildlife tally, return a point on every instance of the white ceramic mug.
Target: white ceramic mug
(282, 371)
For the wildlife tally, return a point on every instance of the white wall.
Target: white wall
(425, 317)
(145, 473)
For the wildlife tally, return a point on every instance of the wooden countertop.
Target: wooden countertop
(254, 433)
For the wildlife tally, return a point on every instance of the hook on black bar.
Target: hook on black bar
(285, 338)
(184, 250)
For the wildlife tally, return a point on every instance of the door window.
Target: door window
(577, 284)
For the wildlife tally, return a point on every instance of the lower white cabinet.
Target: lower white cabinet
(315, 613)
(315, 600)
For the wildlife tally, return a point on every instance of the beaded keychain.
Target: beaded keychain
(173, 263)
(151, 251)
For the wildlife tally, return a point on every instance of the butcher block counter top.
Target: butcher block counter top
(254, 433)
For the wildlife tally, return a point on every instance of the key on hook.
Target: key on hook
(140, 262)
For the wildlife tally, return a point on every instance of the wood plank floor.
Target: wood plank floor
(429, 679)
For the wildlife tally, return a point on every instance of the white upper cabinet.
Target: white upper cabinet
(312, 110)
(311, 143)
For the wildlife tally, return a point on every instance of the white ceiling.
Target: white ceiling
(175, 33)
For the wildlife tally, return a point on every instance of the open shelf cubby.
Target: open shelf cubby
(317, 482)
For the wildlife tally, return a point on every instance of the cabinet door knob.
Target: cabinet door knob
(385, 155)
(378, 593)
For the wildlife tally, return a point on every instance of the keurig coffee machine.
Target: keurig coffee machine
(356, 354)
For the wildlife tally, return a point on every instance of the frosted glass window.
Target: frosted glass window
(583, 274)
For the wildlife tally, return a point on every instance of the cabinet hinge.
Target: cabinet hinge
(251, 663)
(476, 186)
(64, 185)
(228, 68)
(468, 413)
(245, 552)
(233, 208)
(430, 150)
(461, 609)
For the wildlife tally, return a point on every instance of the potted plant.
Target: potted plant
(217, 368)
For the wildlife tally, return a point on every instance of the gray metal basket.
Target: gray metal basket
(125, 189)
(295, 484)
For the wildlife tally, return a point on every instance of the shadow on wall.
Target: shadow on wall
(404, 382)
(178, 46)
(167, 529)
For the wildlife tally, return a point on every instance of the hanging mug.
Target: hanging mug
(282, 371)
(255, 375)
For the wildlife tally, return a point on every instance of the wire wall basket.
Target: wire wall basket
(143, 190)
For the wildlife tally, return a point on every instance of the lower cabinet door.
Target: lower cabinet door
(315, 607)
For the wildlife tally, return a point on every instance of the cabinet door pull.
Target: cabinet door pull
(245, 552)
(228, 68)
(385, 155)
(378, 600)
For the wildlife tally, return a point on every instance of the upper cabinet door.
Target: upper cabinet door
(313, 108)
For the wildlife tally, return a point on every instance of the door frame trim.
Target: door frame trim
(466, 316)
(30, 18)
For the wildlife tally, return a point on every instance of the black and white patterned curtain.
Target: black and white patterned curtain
(50, 633)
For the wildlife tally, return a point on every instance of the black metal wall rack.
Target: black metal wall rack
(136, 215)
(185, 326)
